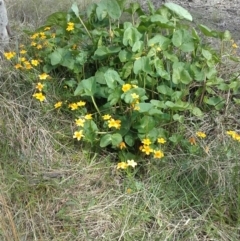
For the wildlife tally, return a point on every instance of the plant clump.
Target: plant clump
(127, 78)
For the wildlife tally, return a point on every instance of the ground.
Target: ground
(218, 14)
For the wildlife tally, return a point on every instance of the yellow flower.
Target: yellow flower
(201, 134)
(234, 45)
(42, 35)
(39, 46)
(231, 133)
(106, 117)
(27, 65)
(134, 96)
(147, 149)
(34, 36)
(78, 135)
(47, 28)
(23, 59)
(126, 87)
(161, 140)
(122, 165)
(58, 104)
(79, 122)
(158, 154)
(146, 142)
(18, 66)
(73, 106)
(122, 145)
(136, 107)
(234, 135)
(23, 51)
(33, 44)
(129, 190)
(39, 86)
(131, 163)
(237, 137)
(43, 76)
(114, 123)
(88, 116)
(81, 103)
(34, 62)
(9, 55)
(39, 96)
(192, 141)
(70, 26)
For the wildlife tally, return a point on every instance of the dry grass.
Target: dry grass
(52, 189)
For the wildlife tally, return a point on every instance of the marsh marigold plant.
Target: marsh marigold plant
(125, 85)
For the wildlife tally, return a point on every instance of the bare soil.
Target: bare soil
(216, 14)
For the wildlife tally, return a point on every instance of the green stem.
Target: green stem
(85, 27)
(95, 105)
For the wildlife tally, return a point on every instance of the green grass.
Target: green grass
(53, 189)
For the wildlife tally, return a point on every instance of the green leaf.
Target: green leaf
(165, 90)
(178, 95)
(197, 112)
(106, 140)
(185, 77)
(177, 69)
(144, 107)
(130, 36)
(198, 74)
(111, 7)
(137, 46)
(160, 69)
(206, 54)
(126, 70)
(82, 57)
(207, 31)
(175, 138)
(104, 51)
(180, 11)
(216, 101)
(70, 83)
(158, 18)
(178, 118)
(86, 87)
(75, 9)
(160, 41)
(129, 139)
(178, 105)
(114, 96)
(112, 78)
(113, 139)
(57, 56)
(142, 64)
(101, 12)
(155, 111)
(183, 40)
(159, 104)
(172, 57)
(124, 56)
(116, 139)
(146, 124)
